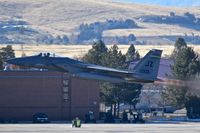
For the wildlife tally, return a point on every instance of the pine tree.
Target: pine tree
(193, 107)
(121, 92)
(114, 58)
(131, 38)
(185, 64)
(112, 94)
(65, 39)
(132, 54)
(185, 67)
(96, 54)
(130, 92)
(1, 64)
(5, 54)
(179, 44)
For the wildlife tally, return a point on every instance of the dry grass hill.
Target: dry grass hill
(59, 17)
(63, 16)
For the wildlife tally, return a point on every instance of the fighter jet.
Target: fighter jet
(145, 71)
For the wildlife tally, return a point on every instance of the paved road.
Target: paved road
(101, 128)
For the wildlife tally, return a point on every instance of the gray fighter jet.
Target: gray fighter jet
(145, 71)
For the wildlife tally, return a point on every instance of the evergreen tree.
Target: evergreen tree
(133, 90)
(185, 67)
(131, 38)
(121, 92)
(193, 107)
(132, 54)
(1, 64)
(5, 54)
(130, 92)
(114, 58)
(65, 39)
(185, 64)
(179, 44)
(96, 54)
(112, 94)
(175, 96)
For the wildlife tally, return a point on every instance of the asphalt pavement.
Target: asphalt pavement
(189, 127)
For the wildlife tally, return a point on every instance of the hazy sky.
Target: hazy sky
(185, 3)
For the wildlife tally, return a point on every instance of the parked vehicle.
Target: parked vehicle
(89, 117)
(40, 118)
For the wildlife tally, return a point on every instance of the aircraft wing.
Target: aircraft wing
(106, 70)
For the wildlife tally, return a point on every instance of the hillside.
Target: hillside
(184, 3)
(50, 18)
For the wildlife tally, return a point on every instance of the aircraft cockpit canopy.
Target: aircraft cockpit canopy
(47, 54)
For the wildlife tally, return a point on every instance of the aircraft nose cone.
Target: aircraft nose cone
(10, 61)
(30, 61)
(13, 61)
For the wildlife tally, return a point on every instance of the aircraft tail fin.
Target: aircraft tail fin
(147, 67)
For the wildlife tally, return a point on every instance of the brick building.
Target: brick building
(61, 97)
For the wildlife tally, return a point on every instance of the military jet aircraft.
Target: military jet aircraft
(145, 71)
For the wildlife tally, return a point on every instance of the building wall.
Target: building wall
(84, 98)
(61, 97)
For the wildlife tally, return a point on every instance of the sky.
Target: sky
(180, 3)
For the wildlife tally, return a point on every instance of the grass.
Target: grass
(79, 50)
